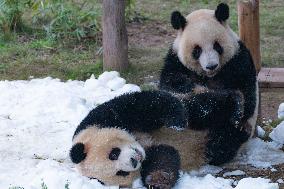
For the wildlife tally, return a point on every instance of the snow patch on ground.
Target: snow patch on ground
(278, 133)
(38, 118)
(206, 169)
(211, 182)
(256, 183)
(260, 131)
(281, 111)
(259, 154)
(234, 173)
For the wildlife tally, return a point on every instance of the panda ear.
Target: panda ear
(77, 153)
(178, 20)
(222, 12)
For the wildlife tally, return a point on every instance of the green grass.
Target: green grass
(42, 58)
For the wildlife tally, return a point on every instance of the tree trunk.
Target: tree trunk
(248, 21)
(115, 43)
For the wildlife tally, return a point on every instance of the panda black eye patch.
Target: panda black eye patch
(217, 47)
(196, 52)
(114, 154)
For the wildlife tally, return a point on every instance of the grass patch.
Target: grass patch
(42, 58)
(146, 64)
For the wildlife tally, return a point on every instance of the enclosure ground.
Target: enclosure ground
(272, 174)
(150, 34)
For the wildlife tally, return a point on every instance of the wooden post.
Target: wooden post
(115, 42)
(248, 21)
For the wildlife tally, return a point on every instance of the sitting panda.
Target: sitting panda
(212, 72)
(139, 134)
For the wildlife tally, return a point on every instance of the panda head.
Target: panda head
(205, 42)
(111, 155)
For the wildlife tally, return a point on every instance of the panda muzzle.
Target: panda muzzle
(211, 67)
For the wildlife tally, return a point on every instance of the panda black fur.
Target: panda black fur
(112, 142)
(208, 59)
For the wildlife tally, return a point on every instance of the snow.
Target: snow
(38, 118)
(206, 169)
(281, 181)
(281, 111)
(259, 154)
(256, 183)
(234, 173)
(277, 134)
(260, 132)
(211, 182)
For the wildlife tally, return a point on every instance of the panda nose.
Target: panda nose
(211, 66)
(134, 162)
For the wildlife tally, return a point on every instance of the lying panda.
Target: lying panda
(142, 133)
(207, 58)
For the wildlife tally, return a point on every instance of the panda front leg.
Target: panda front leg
(213, 108)
(161, 167)
(223, 144)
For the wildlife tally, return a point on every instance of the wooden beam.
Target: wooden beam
(248, 21)
(271, 78)
(115, 42)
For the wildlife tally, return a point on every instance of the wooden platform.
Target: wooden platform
(271, 78)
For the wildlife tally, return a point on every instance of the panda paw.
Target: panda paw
(237, 110)
(160, 180)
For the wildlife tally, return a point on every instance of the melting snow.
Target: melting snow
(260, 132)
(234, 173)
(281, 111)
(278, 133)
(259, 154)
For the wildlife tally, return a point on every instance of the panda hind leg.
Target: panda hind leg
(223, 144)
(161, 167)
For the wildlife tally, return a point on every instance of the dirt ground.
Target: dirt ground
(270, 100)
(253, 172)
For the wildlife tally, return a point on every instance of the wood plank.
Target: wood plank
(271, 78)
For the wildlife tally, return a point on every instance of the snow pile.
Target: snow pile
(205, 170)
(260, 132)
(259, 154)
(256, 183)
(210, 182)
(55, 174)
(234, 173)
(38, 119)
(278, 133)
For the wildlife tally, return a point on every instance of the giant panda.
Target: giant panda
(139, 134)
(212, 71)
